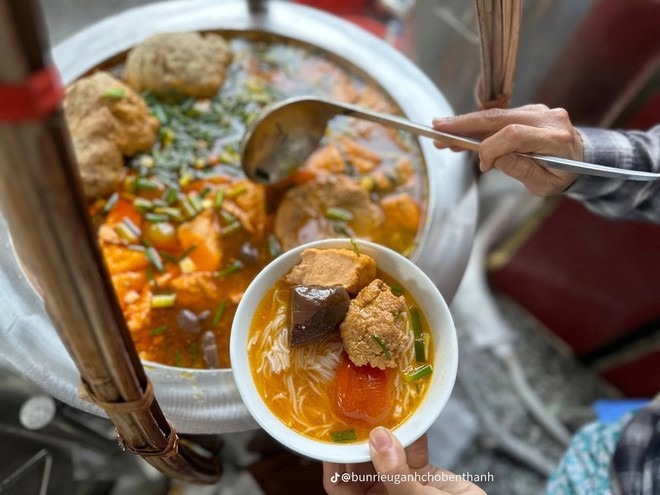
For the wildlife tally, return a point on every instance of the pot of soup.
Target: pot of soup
(159, 99)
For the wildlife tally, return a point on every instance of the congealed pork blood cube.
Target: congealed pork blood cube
(316, 311)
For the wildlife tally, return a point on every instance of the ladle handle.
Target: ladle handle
(566, 164)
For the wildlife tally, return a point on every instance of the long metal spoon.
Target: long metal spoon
(280, 140)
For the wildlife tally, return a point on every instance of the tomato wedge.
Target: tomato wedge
(362, 394)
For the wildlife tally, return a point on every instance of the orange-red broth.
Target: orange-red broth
(310, 396)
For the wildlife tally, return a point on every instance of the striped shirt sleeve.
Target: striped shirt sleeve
(614, 198)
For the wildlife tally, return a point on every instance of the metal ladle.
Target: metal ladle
(280, 140)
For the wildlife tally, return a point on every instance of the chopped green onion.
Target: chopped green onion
(340, 228)
(231, 228)
(228, 217)
(381, 344)
(188, 209)
(219, 312)
(194, 201)
(219, 197)
(143, 205)
(418, 332)
(163, 300)
(143, 183)
(160, 114)
(343, 436)
(274, 247)
(187, 251)
(420, 350)
(168, 257)
(178, 359)
(416, 320)
(112, 201)
(232, 268)
(126, 233)
(236, 191)
(136, 247)
(397, 290)
(185, 179)
(154, 258)
(356, 249)
(159, 330)
(173, 213)
(204, 192)
(419, 373)
(171, 196)
(156, 217)
(427, 345)
(340, 214)
(114, 93)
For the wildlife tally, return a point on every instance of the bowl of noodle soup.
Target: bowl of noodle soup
(289, 389)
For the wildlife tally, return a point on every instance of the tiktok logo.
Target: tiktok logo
(334, 478)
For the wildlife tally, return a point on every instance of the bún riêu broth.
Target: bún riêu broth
(184, 232)
(300, 384)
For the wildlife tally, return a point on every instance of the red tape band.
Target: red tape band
(34, 99)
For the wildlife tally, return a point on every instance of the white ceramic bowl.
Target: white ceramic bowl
(431, 304)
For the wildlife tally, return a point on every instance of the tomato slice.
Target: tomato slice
(363, 394)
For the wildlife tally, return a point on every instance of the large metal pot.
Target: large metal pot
(203, 401)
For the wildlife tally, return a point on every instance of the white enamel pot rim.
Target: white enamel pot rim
(207, 401)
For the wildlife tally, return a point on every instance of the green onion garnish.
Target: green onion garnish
(188, 208)
(219, 197)
(397, 290)
(136, 247)
(219, 312)
(126, 233)
(171, 196)
(419, 373)
(343, 436)
(177, 358)
(154, 258)
(274, 247)
(204, 192)
(187, 251)
(232, 268)
(143, 183)
(418, 332)
(143, 205)
(194, 201)
(168, 257)
(356, 249)
(173, 213)
(231, 228)
(416, 320)
(156, 217)
(382, 345)
(112, 201)
(159, 330)
(340, 214)
(163, 300)
(420, 350)
(228, 217)
(236, 191)
(114, 93)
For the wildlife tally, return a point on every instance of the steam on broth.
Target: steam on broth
(308, 386)
(183, 232)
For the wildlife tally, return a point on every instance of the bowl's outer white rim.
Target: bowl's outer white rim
(411, 429)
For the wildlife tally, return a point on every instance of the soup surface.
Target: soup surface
(310, 387)
(186, 232)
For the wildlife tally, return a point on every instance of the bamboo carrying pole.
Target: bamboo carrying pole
(499, 34)
(42, 200)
